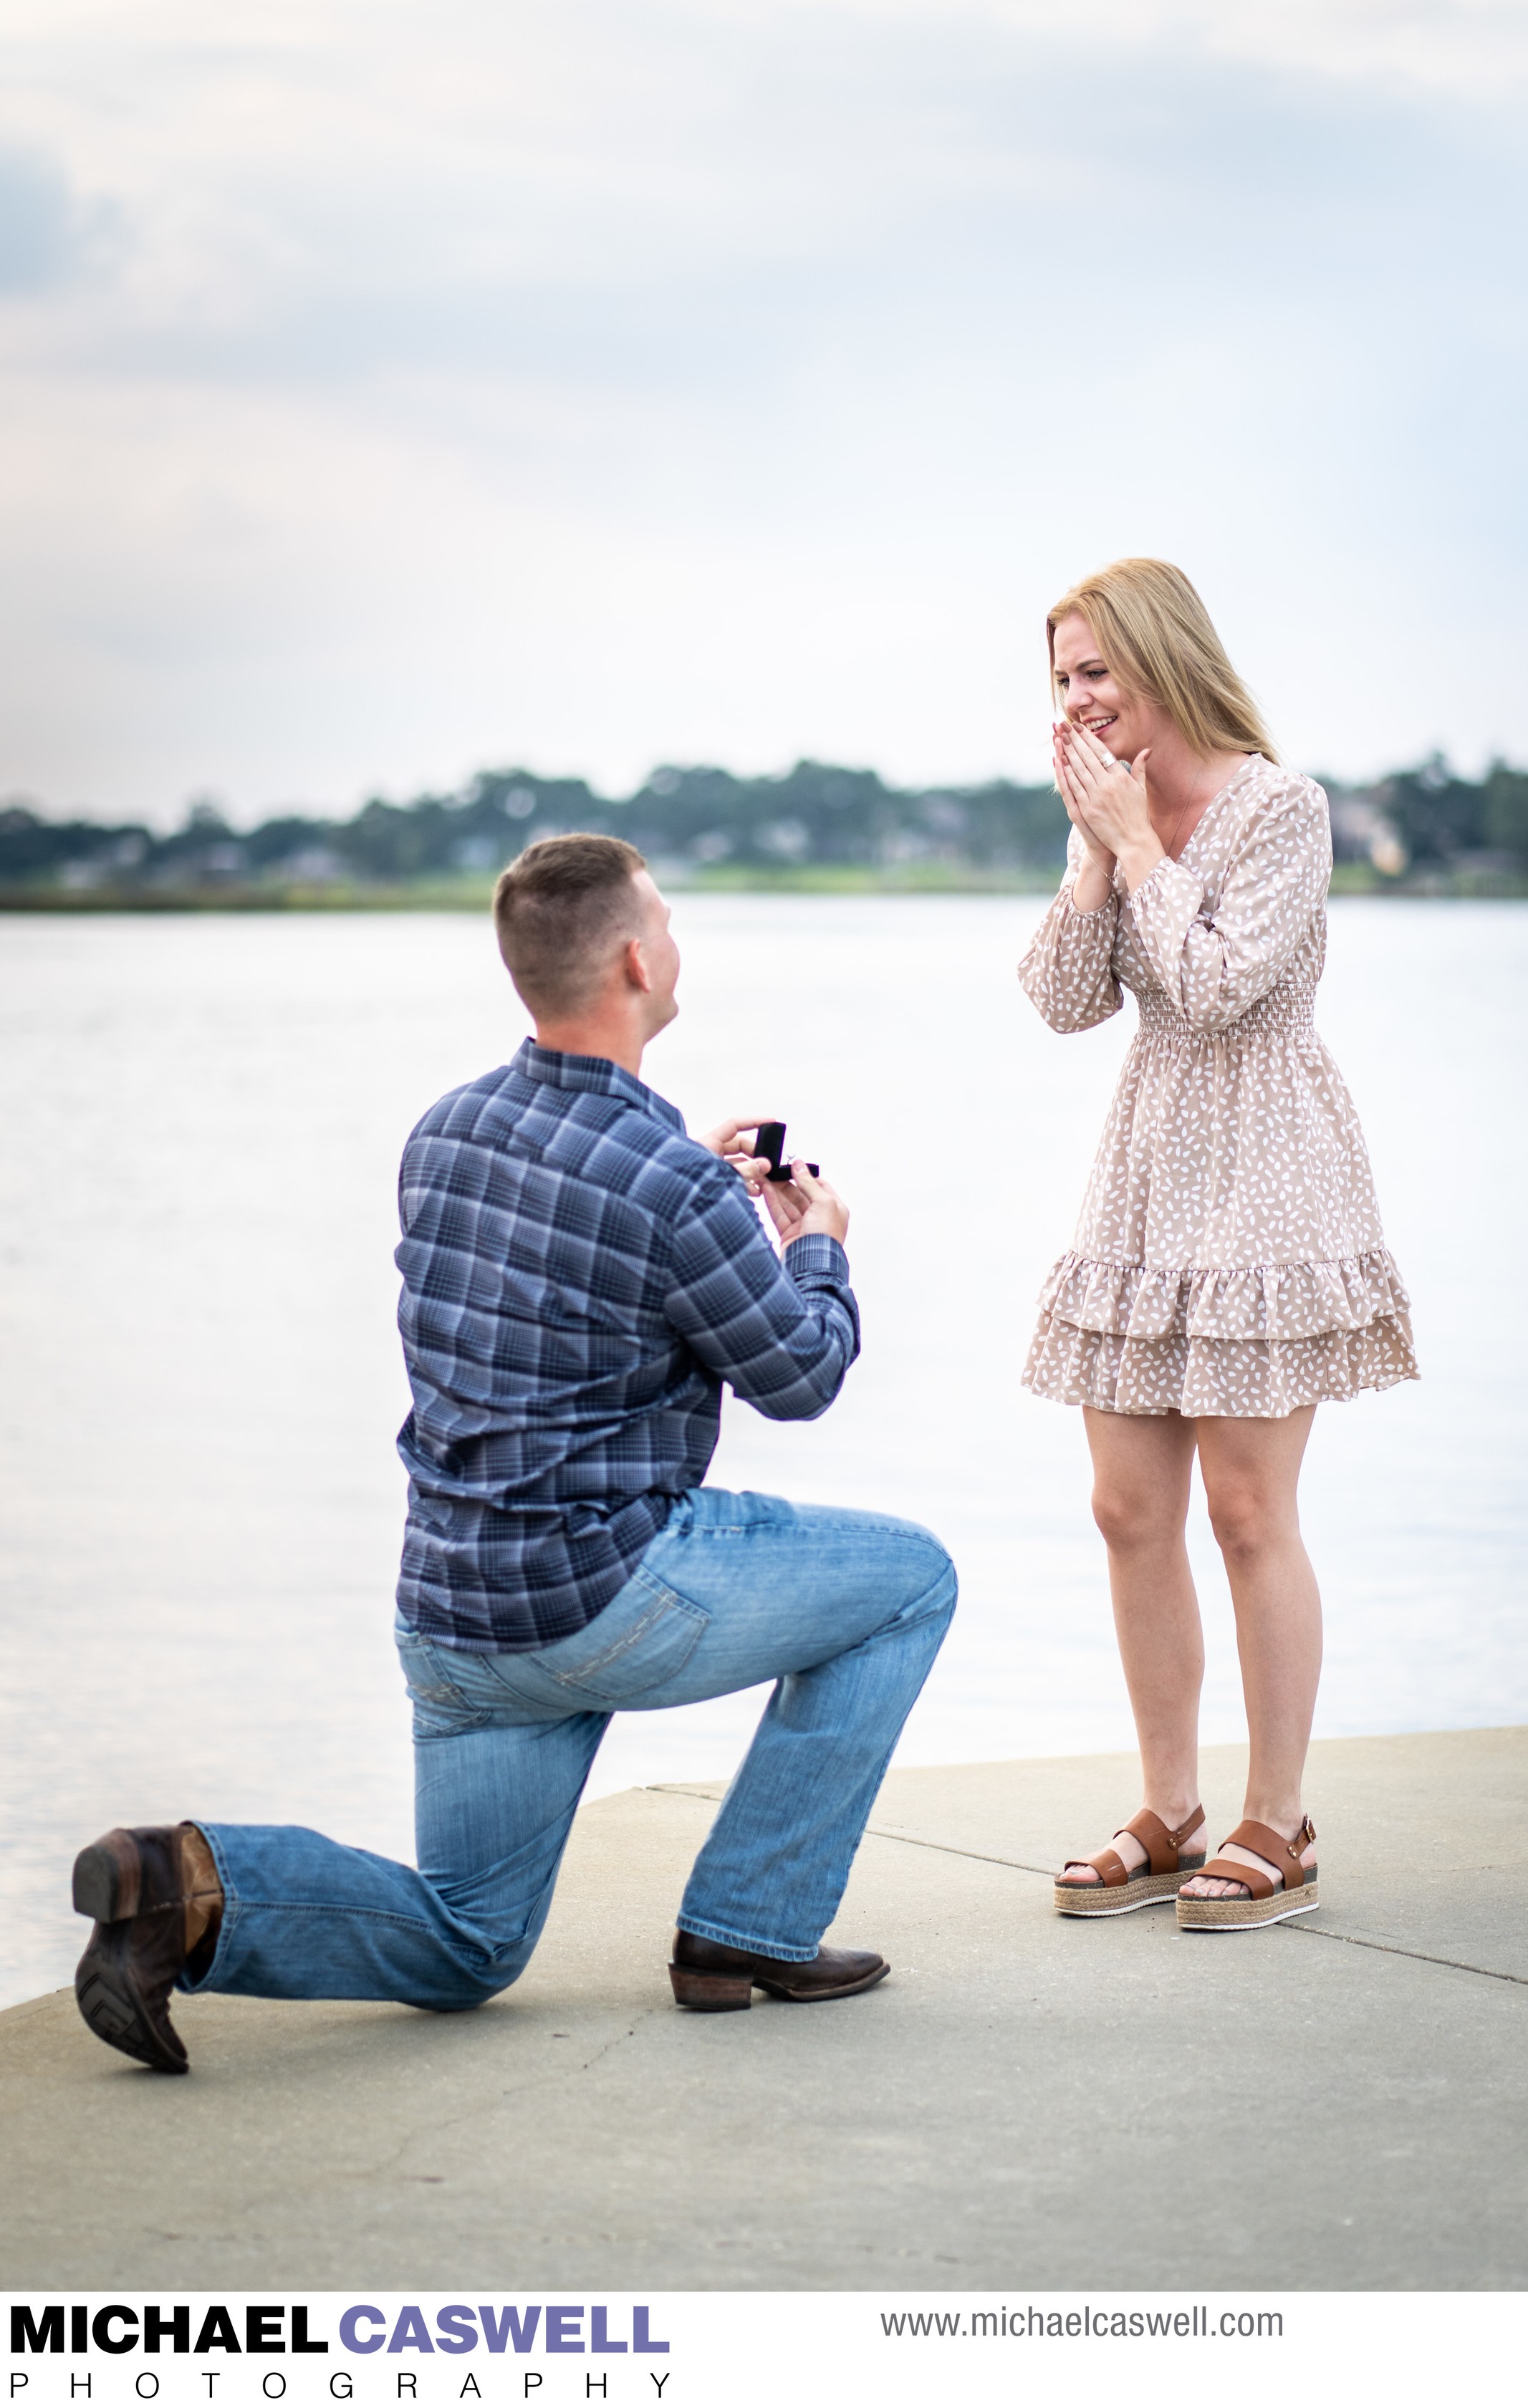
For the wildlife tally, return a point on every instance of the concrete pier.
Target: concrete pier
(1334, 2103)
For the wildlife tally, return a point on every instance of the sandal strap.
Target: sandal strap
(1228, 1868)
(1161, 1845)
(1264, 1842)
(1109, 1867)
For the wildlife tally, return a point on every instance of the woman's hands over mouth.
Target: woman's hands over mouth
(1107, 803)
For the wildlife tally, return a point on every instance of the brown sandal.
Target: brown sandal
(1267, 1903)
(1117, 1891)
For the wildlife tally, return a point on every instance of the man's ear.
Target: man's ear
(634, 966)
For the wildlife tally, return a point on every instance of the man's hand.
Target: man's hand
(805, 1207)
(725, 1142)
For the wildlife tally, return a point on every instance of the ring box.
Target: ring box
(771, 1142)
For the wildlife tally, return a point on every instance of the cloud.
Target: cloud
(42, 232)
(618, 186)
(626, 379)
(1478, 49)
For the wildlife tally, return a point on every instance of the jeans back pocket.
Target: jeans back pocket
(442, 1708)
(642, 1639)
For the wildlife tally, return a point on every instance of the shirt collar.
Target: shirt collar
(595, 1076)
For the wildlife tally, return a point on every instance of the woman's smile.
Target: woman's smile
(1089, 694)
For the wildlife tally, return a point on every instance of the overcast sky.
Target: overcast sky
(396, 387)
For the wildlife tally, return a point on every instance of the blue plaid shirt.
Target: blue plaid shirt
(579, 1278)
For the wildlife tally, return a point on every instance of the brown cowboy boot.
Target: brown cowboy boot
(715, 1979)
(157, 1902)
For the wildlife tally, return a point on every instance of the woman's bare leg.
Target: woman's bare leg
(1142, 1466)
(1251, 1473)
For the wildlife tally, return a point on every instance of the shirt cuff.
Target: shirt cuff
(815, 1256)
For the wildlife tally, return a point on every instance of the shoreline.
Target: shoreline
(1349, 879)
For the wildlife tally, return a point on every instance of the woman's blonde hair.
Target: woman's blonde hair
(1153, 631)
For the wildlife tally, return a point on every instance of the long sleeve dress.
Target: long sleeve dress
(1228, 1258)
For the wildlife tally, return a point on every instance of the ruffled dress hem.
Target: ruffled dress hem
(1255, 1344)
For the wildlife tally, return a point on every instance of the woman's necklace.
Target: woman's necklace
(1182, 815)
(1174, 837)
(1178, 822)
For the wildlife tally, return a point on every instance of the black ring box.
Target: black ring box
(771, 1142)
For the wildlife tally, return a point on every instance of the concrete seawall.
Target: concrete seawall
(1333, 2104)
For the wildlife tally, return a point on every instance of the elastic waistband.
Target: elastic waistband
(1281, 1013)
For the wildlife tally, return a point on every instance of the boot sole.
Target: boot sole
(810, 1998)
(108, 1997)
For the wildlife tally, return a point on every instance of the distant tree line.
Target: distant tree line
(1440, 818)
(697, 819)
(693, 822)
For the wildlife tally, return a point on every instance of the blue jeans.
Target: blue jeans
(844, 1610)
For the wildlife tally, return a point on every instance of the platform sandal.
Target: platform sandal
(1267, 1903)
(1119, 1891)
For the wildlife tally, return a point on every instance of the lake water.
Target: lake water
(201, 1504)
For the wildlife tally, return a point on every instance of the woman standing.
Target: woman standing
(1229, 1271)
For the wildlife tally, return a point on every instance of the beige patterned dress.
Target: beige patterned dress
(1228, 1258)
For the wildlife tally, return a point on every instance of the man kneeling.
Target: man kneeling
(579, 1279)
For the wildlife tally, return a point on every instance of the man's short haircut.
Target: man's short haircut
(562, 912)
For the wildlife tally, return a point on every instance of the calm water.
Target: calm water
(201, 1503)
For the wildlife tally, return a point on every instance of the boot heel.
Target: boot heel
(712, 1993)
(108, 1881)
